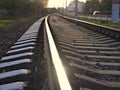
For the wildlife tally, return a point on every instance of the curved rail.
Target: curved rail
(112, 32)
(56, 61)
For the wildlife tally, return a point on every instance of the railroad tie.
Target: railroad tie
(16, 65)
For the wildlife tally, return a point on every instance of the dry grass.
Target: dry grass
(101, 22)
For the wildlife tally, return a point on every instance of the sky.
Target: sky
(59, 3)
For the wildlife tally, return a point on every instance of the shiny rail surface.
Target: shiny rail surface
(56, 60)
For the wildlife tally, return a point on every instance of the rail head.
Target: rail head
(56, 61)
(90, 23)
(112, 32)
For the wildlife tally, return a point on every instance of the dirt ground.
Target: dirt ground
(9, 35)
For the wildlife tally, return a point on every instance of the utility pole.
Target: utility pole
(66, 7)
(76, 8)
(115, 11)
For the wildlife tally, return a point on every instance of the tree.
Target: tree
(23, 7)
(92, 5)
(105, 5)
(98, 5)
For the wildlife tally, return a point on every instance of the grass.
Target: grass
(113, 25)
(2, 25)
(6, 23)
(101, 22)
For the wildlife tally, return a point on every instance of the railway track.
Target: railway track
(56, 54)
(91, 59)
(21, 66)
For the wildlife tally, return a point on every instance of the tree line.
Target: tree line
(19, 8)
(98, 5)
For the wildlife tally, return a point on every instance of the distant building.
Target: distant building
(71, 7)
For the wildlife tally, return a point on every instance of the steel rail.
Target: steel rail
(63, 81)
(108, 31)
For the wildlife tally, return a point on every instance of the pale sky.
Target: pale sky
(59, 3)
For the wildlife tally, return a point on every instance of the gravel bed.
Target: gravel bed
(9, 35)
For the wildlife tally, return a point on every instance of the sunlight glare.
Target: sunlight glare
(59, 3)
